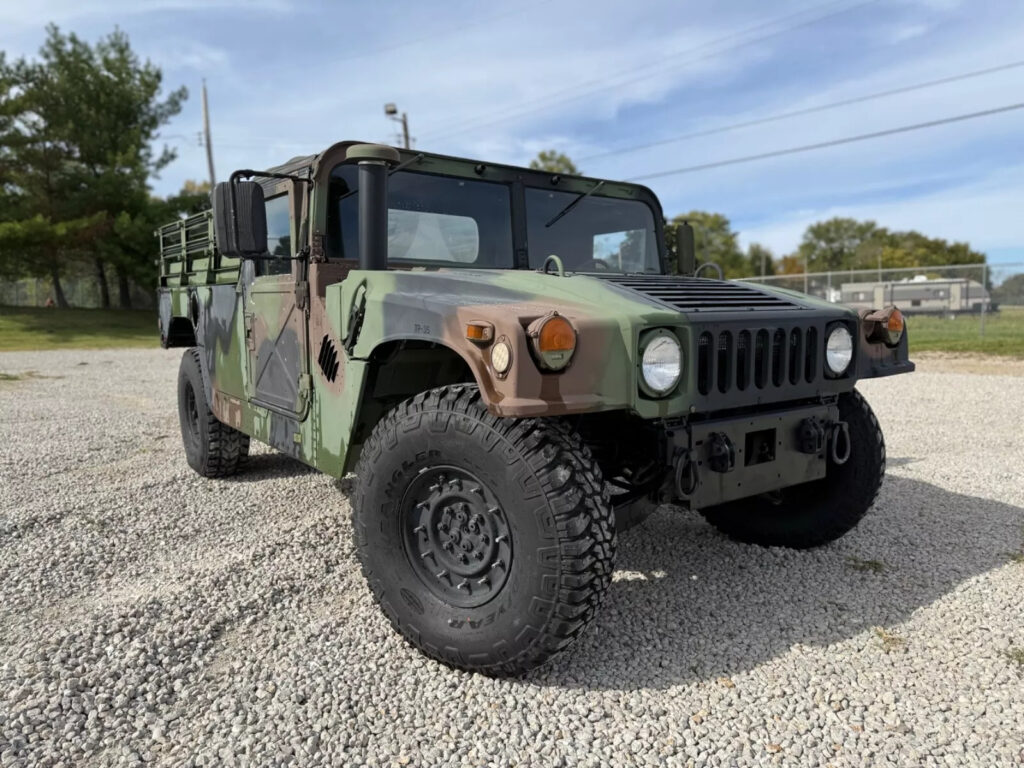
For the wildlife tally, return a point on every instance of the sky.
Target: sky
(499, 81)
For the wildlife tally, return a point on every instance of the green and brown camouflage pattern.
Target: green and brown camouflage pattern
(262, 338)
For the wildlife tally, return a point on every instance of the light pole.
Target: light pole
(206, 138)
(392, 111)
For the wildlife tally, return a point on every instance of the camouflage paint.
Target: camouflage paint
(260, 336)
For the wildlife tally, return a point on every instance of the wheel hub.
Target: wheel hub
(456, 536)
(192, 407)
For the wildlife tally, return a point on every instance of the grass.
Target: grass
(26, 328)
(1004, 333)
(34, 328)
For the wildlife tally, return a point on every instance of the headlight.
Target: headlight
(839, 350)
(662, 363)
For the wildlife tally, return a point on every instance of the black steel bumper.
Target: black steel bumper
(721, 460)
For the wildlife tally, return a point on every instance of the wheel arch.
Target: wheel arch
(400, 368)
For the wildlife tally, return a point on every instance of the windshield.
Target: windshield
(432, 220)
(598, 234)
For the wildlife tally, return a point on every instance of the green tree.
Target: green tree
(1010, 291)
(844, 244)
(133, 232)
(837, 243)
(715, 242)
(81, 122)
(553, 161)
(760, 260)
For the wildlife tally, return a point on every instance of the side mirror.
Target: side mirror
(686, 249)
(240, 219)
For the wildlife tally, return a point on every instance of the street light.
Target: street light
(391, 110)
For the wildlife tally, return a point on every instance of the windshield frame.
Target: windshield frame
(518, 179)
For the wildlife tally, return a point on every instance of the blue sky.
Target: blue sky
(502, 80)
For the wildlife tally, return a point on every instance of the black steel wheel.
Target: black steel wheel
(212, 449)
(487, 542)
(457, 537)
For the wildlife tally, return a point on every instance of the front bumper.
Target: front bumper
(722, 460)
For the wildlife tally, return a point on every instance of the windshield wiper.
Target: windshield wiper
(574, 203)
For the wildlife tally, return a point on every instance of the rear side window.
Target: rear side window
(279, 237)
(432, 220)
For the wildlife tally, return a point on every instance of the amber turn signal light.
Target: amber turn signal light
(888, 326)
(479, 331)
(554, 340)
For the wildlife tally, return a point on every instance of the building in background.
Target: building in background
(919, 295)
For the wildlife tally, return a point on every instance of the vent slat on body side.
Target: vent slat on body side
(328, 359)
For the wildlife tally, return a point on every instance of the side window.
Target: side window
(279, 237)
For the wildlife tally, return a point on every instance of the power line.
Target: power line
(799, 112)
(603, 84)
(824, 144)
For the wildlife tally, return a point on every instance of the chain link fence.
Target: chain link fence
(79, 291)
(946, 291)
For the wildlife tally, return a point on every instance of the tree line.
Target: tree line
(832, 245)
(77, 128)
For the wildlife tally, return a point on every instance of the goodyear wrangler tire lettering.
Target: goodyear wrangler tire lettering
(820, 511)
(212, 449)
(522, 498)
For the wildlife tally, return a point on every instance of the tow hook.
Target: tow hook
(811, 435)
(721, 452)
(841, 455)
(685, 475)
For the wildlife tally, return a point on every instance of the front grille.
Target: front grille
(757, 359)
(690, 294)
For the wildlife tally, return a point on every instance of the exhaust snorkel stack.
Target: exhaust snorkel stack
(375, 161)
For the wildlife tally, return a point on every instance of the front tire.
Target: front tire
(488, 543)
(818, 512)
(212, 449)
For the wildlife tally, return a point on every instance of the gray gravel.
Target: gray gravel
(150, 615)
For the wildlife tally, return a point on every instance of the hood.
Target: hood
(703, 297)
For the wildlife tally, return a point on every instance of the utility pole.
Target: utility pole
(206, 137)
(392, 111)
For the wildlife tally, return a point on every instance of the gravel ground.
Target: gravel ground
(150, 615)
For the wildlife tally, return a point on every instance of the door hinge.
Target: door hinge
(305, 385)
(249, 342)
(302, 294)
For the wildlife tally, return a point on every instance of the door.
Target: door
(275, 313)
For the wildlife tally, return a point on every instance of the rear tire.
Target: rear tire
(488, 543)
(821, 511)
(212, 449)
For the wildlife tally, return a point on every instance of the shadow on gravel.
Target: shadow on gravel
(690, 605)
(264, 466)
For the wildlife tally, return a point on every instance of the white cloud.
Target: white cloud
(905, 32)
(191, 54)
(985, 213)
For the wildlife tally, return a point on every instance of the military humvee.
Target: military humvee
(513, 366)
